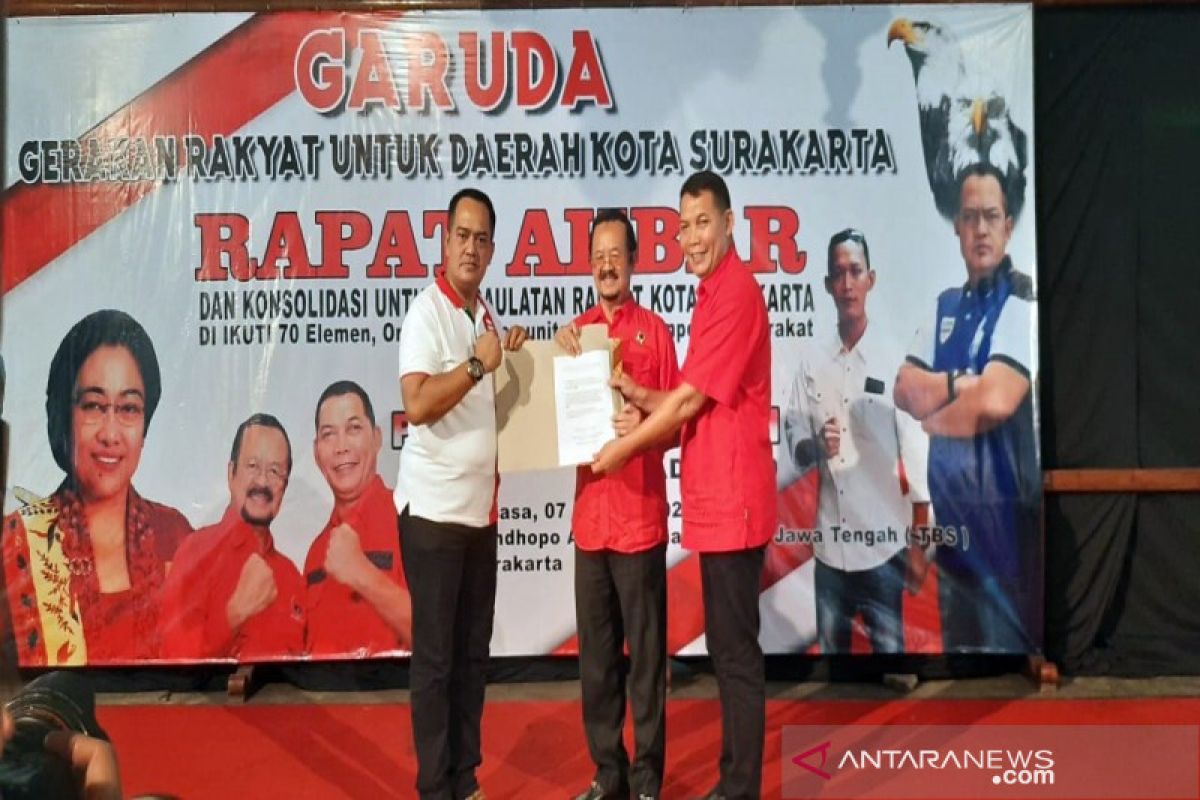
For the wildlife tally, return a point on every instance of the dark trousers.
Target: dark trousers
(622, 597)
(730, 584)
(875, 593)
(451, 573)
(979, 614)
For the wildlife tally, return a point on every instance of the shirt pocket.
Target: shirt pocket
(874, 420)
(637, 363)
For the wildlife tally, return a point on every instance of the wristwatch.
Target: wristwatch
(951, 377)
(475, 369)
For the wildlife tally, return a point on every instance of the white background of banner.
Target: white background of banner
(748, 68)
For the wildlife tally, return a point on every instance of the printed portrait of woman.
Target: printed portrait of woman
(84, 566)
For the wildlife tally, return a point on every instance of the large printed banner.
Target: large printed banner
(214, 226)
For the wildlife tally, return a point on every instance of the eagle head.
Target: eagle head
(964, 119)
(922, 40)
(933, 53)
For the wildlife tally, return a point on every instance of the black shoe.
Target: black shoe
(596, 792)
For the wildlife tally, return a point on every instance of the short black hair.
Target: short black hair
(262, 421)
(848, 235)
(337, 389)
(708, 181)
(614, 215)
(982, 170)
(477, 196)
(105, 328)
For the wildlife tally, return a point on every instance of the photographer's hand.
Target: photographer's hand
(94, 762)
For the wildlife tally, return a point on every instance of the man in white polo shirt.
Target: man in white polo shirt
(446, 497)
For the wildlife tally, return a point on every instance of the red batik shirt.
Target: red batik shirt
(727, 471)
(203, 577)
(627, 511)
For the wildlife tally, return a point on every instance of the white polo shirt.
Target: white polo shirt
(448, 468)
(860, 488)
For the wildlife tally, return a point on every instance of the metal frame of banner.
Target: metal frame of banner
(32, 8)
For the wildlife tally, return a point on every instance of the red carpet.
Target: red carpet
(532, 749)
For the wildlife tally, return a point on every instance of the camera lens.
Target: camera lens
(54, 701)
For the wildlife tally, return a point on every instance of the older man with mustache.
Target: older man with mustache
(620, 529)
(230, 593)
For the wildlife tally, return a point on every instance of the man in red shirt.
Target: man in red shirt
(358, 601)
(722, 411)
(620, 529)
(230, 593)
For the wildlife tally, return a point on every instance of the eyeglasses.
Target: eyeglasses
(274, 472)
(93, 412)
(614, 257)
(970, 217)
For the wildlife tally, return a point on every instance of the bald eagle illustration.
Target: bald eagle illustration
(963, 115)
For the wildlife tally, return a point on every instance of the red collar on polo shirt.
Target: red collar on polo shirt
(353, 514)
(452, 295)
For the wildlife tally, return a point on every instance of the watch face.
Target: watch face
(475, 369)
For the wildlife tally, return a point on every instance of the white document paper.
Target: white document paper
(583, 406)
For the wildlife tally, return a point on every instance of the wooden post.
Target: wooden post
(241, 683)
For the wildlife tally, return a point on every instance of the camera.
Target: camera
(56, 701)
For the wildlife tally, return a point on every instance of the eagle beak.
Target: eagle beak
(901, 29)
(977, 116)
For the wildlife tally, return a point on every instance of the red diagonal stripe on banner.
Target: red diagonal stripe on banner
(685, 597)
(797, 510)
(218, 92)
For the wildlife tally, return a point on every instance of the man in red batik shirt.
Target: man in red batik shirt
(230, 593)
(620, 530)
(727, 472)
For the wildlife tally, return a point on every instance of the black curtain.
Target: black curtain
(1118, 190)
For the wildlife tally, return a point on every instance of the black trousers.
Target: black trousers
(730, 583)
(622, 597)
(451, 573)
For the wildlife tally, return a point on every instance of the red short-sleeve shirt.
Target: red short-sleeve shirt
(727, 478)
(627, 511)
(206, 571)
(340, 621)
